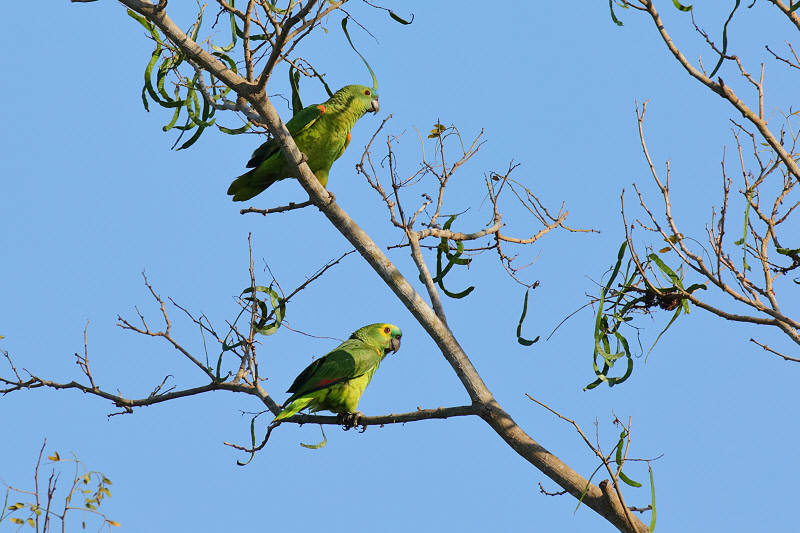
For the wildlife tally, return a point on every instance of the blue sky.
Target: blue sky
(91, 195)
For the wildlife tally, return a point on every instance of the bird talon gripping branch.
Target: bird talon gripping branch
(351, 420)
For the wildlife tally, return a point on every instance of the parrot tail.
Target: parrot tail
(293, 408)
(243, 187)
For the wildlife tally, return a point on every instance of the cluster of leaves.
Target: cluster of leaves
(91, 486)
(620, 453)
(266, 316)
(166, 60)
(634, 294)
(452, 259)
(678, 6)
(199, 116)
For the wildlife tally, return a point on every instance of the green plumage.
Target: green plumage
(336, 381)
(321, 132)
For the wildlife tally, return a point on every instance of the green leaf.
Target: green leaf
(674, 316)
(794, 7)
(652, 500)
(680, 7)
(676, 281)
(588, 484)
(294, 82)
(614, 18)
(453, 259)
(280, 11)
(787, 251)
(629, 481)
(522, 341)
(231, 63)
(319, 445)
(374, 79)
(619, 447)
(400, 20)
(252, 441)
(602, 346)
(236, 131)
(229, 47)
(436, 131)
(175, 115)
(278, 307)
(725, 49)
(149, 26)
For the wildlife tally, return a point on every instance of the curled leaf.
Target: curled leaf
(374, 79)
(522, 341)
(681, 7)
(318, 445)
(400, 20)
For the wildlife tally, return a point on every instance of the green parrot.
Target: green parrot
(321, 131)
(336, 381)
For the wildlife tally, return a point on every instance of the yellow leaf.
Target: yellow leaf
(19, 521)
(664, 250)
(113, 523)
(31, 522)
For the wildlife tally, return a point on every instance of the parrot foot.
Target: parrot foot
(351, 420)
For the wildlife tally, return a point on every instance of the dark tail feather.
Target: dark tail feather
(243, 187)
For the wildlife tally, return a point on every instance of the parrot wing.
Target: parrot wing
(297, 124)
(350, 360)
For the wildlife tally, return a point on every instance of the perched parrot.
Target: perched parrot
(336, 381)
(322, 132)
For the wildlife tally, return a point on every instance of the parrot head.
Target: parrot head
(385, 336)
(360, 97)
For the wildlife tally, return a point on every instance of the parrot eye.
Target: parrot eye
(387, 330)
(367, 92)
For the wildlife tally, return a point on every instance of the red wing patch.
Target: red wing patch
(324, 382)
(321, 108)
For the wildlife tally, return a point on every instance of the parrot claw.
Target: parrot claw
(351, 420)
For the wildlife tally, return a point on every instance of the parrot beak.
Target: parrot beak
(395, 341)
(375, 106)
